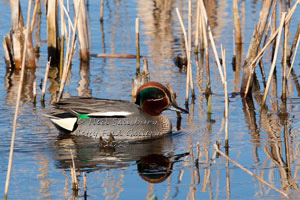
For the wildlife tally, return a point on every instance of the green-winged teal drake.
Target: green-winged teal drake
(124, 120)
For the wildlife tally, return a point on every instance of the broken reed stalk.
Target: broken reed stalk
(237, 24)
(294, 44)
(255, 44)
(284, 61)
(15, 37)
(205, 41)
(63, 31)
(262, 51)
(12, 144)
(82, 30)
(204, 15)
(274, 59)
(34, 14)
(45, 81)
(256, 60)
(70, 52)
(101, 10)
(197, 28)
(115, 56)
(190, 49)
(137, 43)
(226, 97)
(293, 60)
(67, 14)
(248, 172)
(52, 32)
(187, 55)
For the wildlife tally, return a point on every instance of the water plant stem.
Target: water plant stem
(226, 98)
(187, 55)
(204, 15)
(190, 49)
(274, 58)
(137, 43)
(69, 55)
(247, 171)
(293, 60)
(45, 81)
(101, 10)
(12, 144)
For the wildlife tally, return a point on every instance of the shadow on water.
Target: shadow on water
(153, 164)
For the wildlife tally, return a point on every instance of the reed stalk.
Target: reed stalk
(52, 32)
(257, 58)
(274, 59)
(254, 45)
(237, 24)
(62, 38)
(247, 171)
(188, 56)
(137, 43)
(292, 50)
(16, 39)
(36, 6)
(204, 15)
(67, 14)
(284, 62)
(70, 52)
(115, 56)
(205, 41)
(197, 28)
(12, 144)
(293, 60)
(226, 98)
(82, 30)
(45, 81)
(101, 10)
(190, 50)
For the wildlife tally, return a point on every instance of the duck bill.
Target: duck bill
(177, 108)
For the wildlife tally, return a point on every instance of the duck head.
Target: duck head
(153, 98)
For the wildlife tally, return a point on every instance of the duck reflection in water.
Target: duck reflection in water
(90, 155)
(156, 168)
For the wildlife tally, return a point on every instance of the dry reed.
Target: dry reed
(45, 81)
(226, 98)
(247, 171)
(69, 56)
(12, 144)
(137, 43)
(101, 10)
(274, 59)
(187, 55)
(293, 60)
(204, 15)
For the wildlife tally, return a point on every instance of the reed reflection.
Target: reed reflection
(275, 125)
(83, 88)
(12, 81)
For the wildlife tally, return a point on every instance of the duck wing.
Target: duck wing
(67, 111)
(97, 107)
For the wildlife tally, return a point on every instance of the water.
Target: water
(265, 143)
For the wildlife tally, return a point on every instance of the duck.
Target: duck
(118, 119)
